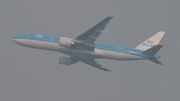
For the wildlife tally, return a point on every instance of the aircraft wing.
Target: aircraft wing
(86, 40)
(91, 62)
(94, 64)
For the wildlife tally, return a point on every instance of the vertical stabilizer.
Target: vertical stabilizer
(152, 41)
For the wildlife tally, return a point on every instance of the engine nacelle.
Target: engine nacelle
(66, 42)
(66, 60)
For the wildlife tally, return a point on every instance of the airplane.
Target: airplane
(84, 49)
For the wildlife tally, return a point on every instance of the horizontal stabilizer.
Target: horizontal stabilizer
(153, 50)
(156, 61)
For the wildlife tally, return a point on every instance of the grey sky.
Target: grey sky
(35, 75)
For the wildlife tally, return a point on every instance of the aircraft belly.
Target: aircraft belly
(55, 47)
(42, 45)
(79, 53)
(120, 55)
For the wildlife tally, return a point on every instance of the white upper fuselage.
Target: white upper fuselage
(108, 51)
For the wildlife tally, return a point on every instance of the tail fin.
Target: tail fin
(152, 41)
(153, 50)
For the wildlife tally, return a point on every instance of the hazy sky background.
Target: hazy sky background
(35, 75)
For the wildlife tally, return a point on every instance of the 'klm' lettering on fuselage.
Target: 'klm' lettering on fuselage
(148, 43)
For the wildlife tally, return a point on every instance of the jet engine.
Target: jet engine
(66, 42)
(66, 60)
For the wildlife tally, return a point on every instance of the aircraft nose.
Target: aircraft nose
(16, 41)
(13, 39)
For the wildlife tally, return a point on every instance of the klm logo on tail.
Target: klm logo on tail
(148, 43)
(152, 41)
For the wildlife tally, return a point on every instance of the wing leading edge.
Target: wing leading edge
(87, 39)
